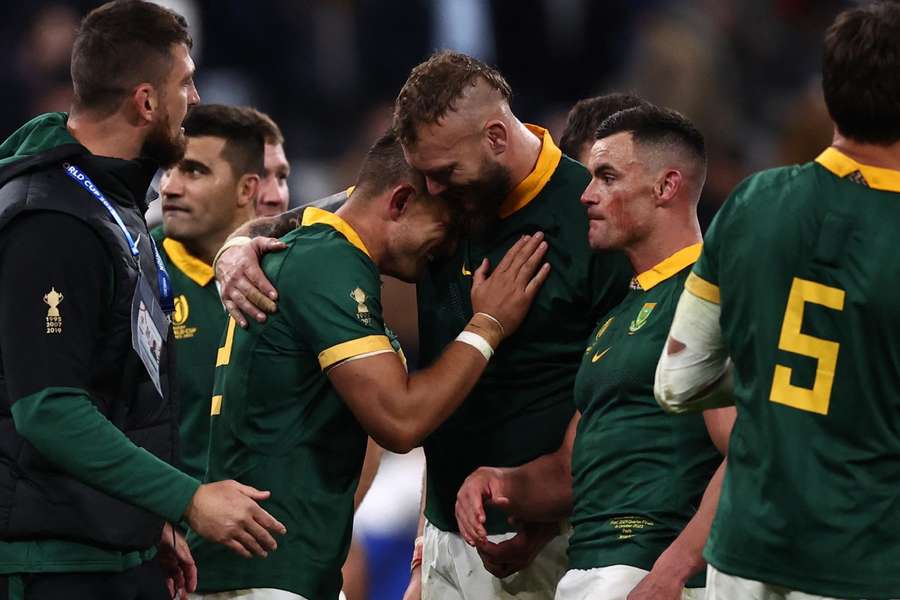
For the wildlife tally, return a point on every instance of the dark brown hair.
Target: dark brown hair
(271, 130)
(861, 73)
(240, 127)
(434, 86)
(385, 166)
(651, 124)
(120, 45)
(587, 115)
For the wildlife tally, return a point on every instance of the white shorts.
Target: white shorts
(252, 594)
(452, 570)
(609, 583)
(722, 586)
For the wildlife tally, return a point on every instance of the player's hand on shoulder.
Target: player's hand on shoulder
(227, 512)
(506, 294)
(244, 288)
(483, 486)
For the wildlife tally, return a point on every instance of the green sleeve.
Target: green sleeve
(65, 426)
(337, 310)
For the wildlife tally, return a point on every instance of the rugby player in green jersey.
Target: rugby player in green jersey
(456, 126)
(295, 396)
(631, 476)
(791, 314)
(208, 194)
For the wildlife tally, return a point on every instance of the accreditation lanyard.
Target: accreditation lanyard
(165, 284)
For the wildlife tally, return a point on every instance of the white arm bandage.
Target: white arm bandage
(698, 376)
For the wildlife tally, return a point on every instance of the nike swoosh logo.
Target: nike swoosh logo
(599, 355)
(466, 272)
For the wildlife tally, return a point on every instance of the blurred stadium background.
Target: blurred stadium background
(745, 71)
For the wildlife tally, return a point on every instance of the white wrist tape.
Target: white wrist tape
(477, 342)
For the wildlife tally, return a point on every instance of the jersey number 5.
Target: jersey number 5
(792, 340)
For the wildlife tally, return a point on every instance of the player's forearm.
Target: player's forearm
(540, 490)
(68, 430)
(274, 227)
(427, 398)
(684, 557)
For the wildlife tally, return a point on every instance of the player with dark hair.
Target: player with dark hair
(791, 314)
(585, 117)
(631, 476)
(205, 196)
(295, 396)
(88, 418)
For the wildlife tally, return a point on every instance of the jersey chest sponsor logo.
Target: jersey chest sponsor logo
(54, 318)
(179, 319)
(362, 310)
(641, 319)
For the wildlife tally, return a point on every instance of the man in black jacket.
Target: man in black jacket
(88, 427)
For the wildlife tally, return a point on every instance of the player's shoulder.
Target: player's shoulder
(320, 253)
(774, 183)
(570, 173)
(561, 195)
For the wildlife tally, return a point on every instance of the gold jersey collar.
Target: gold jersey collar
(532, 185)
(313, 216)
(669, 267)
(195, 269)
(878, 178)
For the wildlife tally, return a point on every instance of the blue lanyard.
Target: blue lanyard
(165, 286)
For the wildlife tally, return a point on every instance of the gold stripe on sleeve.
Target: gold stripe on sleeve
(345, 350)
(216, 407)
(702, 288)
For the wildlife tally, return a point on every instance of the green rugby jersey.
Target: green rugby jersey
(520, 408)
(197, 322)
(638, 473)
(804, 262)
(278, 424)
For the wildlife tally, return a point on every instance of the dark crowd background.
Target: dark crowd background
(745, 71)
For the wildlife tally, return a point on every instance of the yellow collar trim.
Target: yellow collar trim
(878, 178)
(313, 216)
(670, 266)
(532, 185)
(196, 270)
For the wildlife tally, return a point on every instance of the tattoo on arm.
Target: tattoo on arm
(275, 227)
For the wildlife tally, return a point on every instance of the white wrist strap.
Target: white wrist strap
(477, 342)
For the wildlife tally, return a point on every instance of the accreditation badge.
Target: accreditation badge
(149, 329)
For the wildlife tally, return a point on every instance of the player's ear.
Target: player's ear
(247, 188)
(145, 101)
(401, 195)
(497, 136)
(667, 186)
